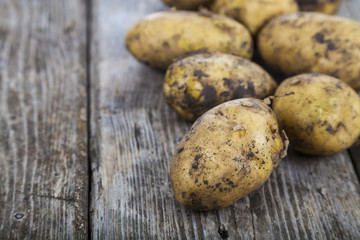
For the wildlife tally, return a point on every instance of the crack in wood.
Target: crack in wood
(89, 21)
(71, 199)
(355, 160)
(252, 218)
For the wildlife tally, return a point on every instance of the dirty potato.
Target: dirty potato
(229, 152)
(162, 37)
(325, 6)
(254, 13)
(313, 42)
(197, 83)
(186, 4)
(320, 114)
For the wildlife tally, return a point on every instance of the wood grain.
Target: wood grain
(134, 134)
(43, 140)
(351, 8)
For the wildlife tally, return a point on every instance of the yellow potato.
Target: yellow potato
(162, 37)
(254, 13)
(313, 42)
(325, 6)
(186, 4)
(197, 83)
(229, 152)
(320, 114)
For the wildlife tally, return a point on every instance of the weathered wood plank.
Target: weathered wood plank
(351, 8)
(43, 140)
(311, 198)
(134, 134)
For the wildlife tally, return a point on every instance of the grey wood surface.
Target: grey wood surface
(351, 8)
(43, 137)
(134, 134)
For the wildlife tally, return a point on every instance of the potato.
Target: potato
(197, 83)
(325, 6)
(162, 37)
(320, 114)
(186, 4)
(229, 152)
(313, 42)
(254, 13)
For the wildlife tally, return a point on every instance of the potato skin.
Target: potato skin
(199, 82)
(320, 114)
(230, 151)
(324, 6)
(313, 42)
(186, 4)
(254, 13)
(162, 37)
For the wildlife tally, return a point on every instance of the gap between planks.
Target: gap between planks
(88, 16)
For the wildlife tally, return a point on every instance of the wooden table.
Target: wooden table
(86, 139)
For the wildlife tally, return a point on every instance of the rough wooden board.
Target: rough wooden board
(43, 160)
(134, 134)
(351, 9)
(319, 198)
